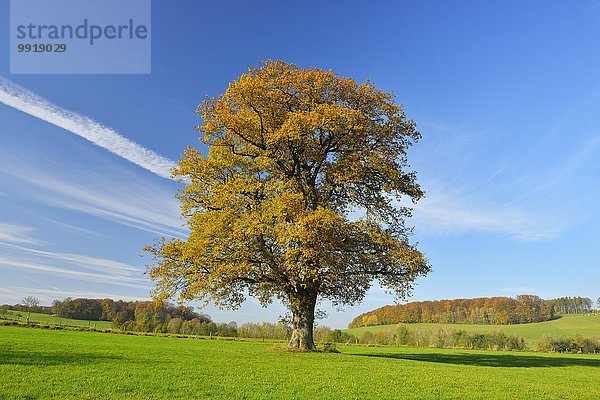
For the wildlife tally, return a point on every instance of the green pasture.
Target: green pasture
(50, 320)
(567, 325)
(59, 364)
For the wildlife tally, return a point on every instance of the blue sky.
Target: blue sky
(506, 96)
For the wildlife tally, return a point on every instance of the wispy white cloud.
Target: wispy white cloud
(443, 213)
(142, 206)
(571, 165)
(46, 296)
(22, 260)
(520, 290)
(16, 234)
(140, 209)
(113, 279)
(472, 189)
(72, 227)
(99, 264)
(28, 102)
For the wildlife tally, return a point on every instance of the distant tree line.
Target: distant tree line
(143, 316)
(447, 337)
(108, 309)
(324, 334)
(24, 308)
(443, 337)
(576, 344)
(152, 316)
(266, 330)
(572, 305)
(162, 317)
(495, 310)
(282, 331)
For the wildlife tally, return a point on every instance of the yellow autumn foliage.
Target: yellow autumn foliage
(292, 152)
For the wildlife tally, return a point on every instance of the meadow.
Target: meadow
(566, 325)
(50, 320)
(60, 364)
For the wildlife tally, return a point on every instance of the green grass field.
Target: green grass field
(50, 320)
(567, 325)
(58, 364)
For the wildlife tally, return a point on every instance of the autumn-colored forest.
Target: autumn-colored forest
(494, 310)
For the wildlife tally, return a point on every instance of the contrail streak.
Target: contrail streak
(28, 102)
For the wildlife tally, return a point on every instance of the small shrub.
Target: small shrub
(477, 341)
(367, 338)
(402, 335)
(515, 342)
(385, 337)
(329, 347)
(337, 336)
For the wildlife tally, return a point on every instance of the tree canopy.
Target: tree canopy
(295, 156)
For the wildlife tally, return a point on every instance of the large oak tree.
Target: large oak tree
(295, 157)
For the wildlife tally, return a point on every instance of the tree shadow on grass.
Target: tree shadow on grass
(51, 358)
(492, 360)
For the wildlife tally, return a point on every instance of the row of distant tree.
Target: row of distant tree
(147, 316)
(143, 316)
(31, 305)
(109, 310)
(573, 305)
(495, 310)
(443, 337)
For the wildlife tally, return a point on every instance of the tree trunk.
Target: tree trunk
(303, 312)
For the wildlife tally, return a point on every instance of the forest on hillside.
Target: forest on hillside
(494, 310)
(152, 316)
(144, 316)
